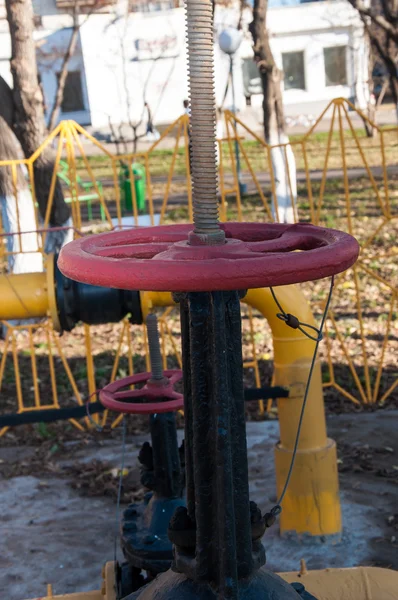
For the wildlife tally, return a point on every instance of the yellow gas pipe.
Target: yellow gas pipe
(23, 296)
(360, 583)
(311, 505)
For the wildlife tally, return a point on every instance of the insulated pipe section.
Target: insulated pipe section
(91, 304)
(38, 295)
(312, 505)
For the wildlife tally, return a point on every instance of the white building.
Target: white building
(122, 61)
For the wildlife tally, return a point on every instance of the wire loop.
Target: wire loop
(294, 322)
(277, 509)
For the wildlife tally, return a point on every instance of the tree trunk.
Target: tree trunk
(283, 162)
(29, 124)
(371, 103)
(63, 74)
(391, 66)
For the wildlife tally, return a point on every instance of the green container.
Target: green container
(139, 185)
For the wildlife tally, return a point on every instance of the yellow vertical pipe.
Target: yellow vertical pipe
(311, 506)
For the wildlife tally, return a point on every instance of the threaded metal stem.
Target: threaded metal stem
(199, 24)
(154, 347)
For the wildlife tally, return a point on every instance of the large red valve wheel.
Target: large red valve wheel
(254, 255)
(160, 396)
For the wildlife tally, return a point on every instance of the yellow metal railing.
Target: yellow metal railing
(344, 180)
(332, 175)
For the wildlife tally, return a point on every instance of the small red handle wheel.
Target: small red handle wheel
(154, 391)
(254, 255)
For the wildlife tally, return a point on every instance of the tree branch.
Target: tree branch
(379, 20)
(271, 76)
(387, 11)
(63, 74)
(29, 124)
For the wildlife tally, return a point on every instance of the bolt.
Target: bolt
(257, 522)
(154, 347)
(303, 567)
(199, 24)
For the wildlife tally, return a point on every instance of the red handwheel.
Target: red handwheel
(253, 255)
(159, 395)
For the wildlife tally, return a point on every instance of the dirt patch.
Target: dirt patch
(373, 460)
(101, 479)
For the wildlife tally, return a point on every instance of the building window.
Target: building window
(335, 65)
(293, 69)
(73, 93)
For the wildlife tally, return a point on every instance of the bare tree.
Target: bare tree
(23, 110)
(283, 162)
(380, 19)
(61, 78)
(69, 52)
(137, 128)
(271, 76)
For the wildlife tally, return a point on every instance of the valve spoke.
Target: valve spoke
(286, 243)
(175, 378)
(127, 394)
(149, 250)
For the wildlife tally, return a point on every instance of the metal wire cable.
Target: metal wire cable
(293, 322)
(277, 509)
